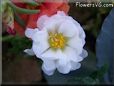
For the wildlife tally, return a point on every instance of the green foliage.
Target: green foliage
(19, 44)
(92, 79)
(84, 80)
(98, 74)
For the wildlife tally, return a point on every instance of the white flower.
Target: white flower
(59, 42)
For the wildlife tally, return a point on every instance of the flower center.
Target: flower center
(57, 40)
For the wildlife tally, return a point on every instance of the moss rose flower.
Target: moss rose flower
(58, 42)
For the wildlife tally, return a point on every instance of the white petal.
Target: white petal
(49, 64)
(83, 42)
(63, 60)
(64, 68)
(30, 32)
(76, 43)
(82, 33)
(68, 29)
(52, 25)
(84, 53)
(50, 22)
(59, 16)
(61, 13)
(39, 48)
(41, 20)
(29, 52)
(36, 49)
(50, 54)
(54, 22)
(40, 36)
(75, 65)
(62, 64)
(48, 72)
(72, 55)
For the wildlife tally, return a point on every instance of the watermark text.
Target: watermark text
(98, 4)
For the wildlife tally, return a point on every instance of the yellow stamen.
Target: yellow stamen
(57, 40)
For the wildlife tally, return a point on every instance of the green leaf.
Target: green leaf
(98, 74)
(19, 20)
(19, 44)
(31, 2)
(22, 10)
(83, 81)
(90, 81)
(6, 38)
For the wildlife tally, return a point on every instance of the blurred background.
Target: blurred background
(18, 67)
